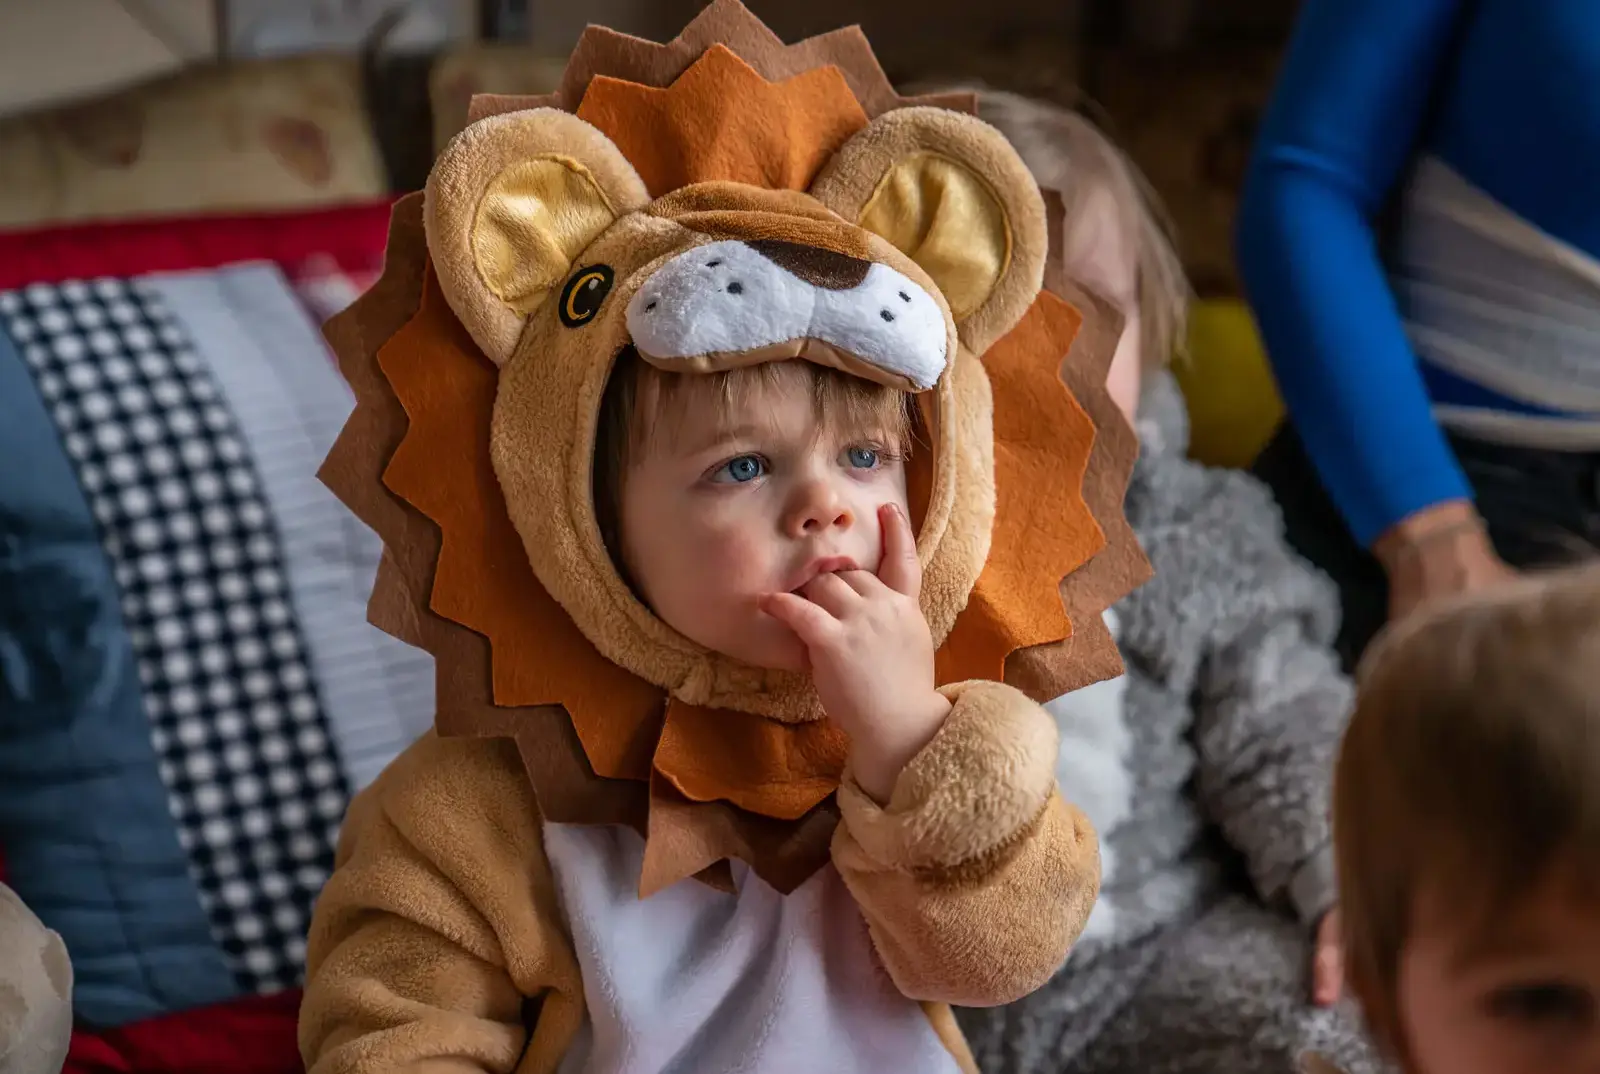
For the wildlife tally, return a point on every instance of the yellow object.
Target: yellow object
(949, 221)
(535, 218)
(1234, 406)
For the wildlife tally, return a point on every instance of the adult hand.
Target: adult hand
(1438, 552)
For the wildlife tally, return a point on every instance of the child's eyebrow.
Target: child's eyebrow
(710, 436)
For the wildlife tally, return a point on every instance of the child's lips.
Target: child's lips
(818, 567)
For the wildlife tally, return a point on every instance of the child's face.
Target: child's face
(1524, 1000)
(1100, 253)
(748, 500)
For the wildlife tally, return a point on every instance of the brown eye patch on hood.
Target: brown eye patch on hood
(814, 264)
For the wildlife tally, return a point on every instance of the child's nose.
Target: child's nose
(818, 507)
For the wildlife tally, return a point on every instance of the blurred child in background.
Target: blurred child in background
(1206, 767)
(1467, 824)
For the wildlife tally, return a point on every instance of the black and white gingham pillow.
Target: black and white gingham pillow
(254, 783)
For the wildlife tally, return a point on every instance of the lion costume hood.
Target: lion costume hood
(900, 240)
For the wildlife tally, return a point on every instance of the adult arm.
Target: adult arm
(1343, 125)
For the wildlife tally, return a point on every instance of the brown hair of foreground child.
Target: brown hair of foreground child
(643, 403)
(1467, 832)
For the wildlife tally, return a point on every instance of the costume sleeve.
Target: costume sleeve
(1342, 126)
(438, 924)
(976, 878)
(1271, 704)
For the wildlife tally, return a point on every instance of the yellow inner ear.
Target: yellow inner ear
(944, 217)
(535, 218)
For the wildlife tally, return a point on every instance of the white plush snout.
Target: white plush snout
(728, 298)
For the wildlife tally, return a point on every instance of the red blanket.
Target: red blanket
(248, 1036)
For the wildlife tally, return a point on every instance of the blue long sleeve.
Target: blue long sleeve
(1343, 124)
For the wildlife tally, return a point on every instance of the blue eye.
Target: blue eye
(742, 470)
(862, 458)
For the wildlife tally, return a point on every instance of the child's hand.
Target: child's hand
(872, 656)
(1327, 962)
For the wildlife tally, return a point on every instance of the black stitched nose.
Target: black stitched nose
(813, 264)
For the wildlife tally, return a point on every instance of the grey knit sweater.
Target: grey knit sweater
(1205, 768)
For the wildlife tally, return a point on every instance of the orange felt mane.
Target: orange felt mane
(600, 744)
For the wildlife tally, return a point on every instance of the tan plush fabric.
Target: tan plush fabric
(510, 204)
(975, 878)
(982, 779)
(430, 935)
(968, 522)
(430, 938)
(881, 177)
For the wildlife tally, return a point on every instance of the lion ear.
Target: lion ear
(948, 191)
(510, 204)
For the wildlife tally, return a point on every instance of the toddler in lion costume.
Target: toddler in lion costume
(748, 469)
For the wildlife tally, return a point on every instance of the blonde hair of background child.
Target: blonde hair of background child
(1470, 771)
(1068, 153)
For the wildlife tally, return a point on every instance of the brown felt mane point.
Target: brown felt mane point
(478, 365)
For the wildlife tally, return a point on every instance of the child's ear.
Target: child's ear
(948, 191)
(510, 204)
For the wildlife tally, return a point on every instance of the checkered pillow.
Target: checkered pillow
(234, 715)
(191, 410)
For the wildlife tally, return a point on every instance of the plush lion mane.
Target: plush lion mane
(1048, 377)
